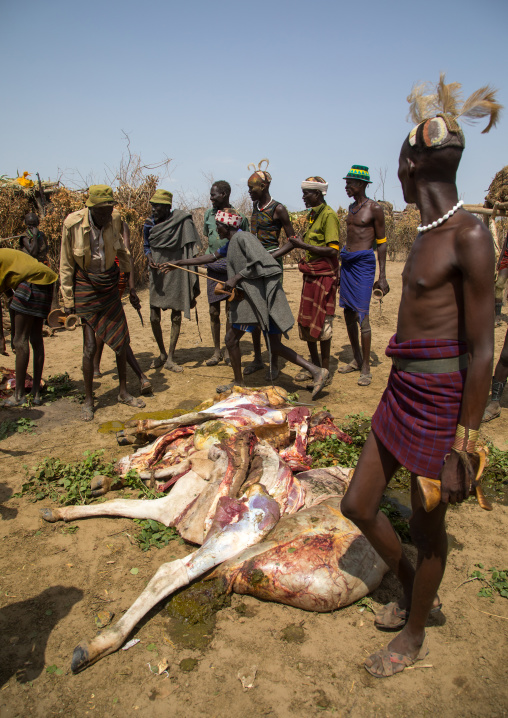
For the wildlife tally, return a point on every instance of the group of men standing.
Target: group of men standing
(320, 268)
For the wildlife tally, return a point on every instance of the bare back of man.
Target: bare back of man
(365, 229)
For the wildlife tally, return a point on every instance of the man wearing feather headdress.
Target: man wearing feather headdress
(428, 417)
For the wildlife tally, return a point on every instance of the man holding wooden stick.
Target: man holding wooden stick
(262, 304)
(429, 414)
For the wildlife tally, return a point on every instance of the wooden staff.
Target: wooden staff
(232, 295)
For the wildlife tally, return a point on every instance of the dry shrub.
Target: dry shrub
(14, 204)
(134, 207)
(63, 202)
(404, 233)
(387, 208)
(498, 190)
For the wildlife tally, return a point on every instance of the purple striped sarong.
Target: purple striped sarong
(97, 301)
(33, 299)
(418, 413)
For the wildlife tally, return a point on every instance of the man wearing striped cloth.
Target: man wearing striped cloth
(91, 239)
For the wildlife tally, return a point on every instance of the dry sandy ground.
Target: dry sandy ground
(53, 583)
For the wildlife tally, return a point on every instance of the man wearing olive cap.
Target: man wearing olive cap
(172, 237)
(91, 239)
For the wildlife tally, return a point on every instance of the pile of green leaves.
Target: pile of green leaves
(155, 534)
(397, 520)
(58, 386)
(66, 483)
(333, 451)
(18, 426)
(69, 484)
(496, 584)
(495, 476)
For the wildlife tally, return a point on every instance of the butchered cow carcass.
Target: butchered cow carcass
(269, 532)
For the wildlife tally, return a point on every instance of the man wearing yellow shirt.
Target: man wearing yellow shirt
(32, 285)
(320, 270)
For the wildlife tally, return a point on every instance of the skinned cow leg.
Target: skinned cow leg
(168, 578)
(166, 510)
(236, 525)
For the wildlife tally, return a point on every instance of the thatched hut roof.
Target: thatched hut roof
(498, 190)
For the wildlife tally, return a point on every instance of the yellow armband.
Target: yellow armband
(381, 241)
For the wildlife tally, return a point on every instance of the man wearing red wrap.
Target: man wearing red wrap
(320, 269)
(437, 389)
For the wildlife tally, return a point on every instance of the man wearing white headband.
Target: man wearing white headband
(320, 269)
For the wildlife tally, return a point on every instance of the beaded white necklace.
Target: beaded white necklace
(442, 219)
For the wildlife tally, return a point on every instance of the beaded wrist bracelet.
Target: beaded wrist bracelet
(465, 439)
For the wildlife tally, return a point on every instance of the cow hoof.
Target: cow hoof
(100, 485)
(80, 658)
(49, 515)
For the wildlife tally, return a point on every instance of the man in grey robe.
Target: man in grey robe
(173, 237)
(264, 304)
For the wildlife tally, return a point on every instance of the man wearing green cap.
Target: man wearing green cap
(365, 230)
(172, 237)
(91, 239)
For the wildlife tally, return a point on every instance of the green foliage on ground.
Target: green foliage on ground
(155, 534)
(493, 585)
(69, 484)
(18, 426)
(495, 476)
(332, 451)
(59, 386)
(65, 483)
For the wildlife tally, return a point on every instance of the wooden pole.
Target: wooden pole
(198, 274)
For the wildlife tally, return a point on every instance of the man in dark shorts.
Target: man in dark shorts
(269, 218)
(429, 414)
(220, 193)
(365, 229)
(32, 283)
(33, 242)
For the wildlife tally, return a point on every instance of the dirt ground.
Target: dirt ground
(54, 582)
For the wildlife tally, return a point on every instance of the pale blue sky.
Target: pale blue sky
(315, 87)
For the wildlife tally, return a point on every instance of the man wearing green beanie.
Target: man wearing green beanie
(91, 240)
(172, 237)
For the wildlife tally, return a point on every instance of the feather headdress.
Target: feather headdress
(259, 174)
(436, 109)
